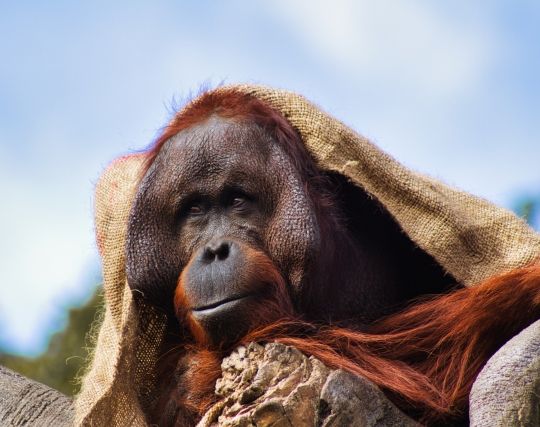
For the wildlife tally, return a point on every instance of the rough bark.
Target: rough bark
(24, 402)
(275, 385)
(507, 391)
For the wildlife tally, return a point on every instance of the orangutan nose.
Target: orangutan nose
(216, 250)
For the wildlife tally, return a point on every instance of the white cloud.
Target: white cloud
(43, 251)
(47, 239)
(402, 43)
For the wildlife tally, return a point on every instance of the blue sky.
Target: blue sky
(450, 89)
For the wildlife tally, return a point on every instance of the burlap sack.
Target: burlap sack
(471, 238)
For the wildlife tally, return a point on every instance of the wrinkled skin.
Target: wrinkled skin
(222, 189)
(210, 188)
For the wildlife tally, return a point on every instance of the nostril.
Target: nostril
(216, 250)
(208, 254)
(223, 251)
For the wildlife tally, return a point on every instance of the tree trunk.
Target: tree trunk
(24, 402)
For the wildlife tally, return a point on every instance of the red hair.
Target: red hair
(274, 305)
(199, 365)
(424, 358)
(231, 104)
(428, 356)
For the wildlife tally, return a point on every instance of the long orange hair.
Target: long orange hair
(426, 357)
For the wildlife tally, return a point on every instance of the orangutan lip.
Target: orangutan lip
(219, 303)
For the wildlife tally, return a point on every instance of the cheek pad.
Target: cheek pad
(151, 250)
(292, 235)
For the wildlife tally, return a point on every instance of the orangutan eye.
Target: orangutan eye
(238, 202)
(195, 210)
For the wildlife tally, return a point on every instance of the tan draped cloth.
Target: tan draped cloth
(469, 237)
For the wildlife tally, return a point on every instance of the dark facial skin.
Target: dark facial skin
(223, 190)
(215, 192)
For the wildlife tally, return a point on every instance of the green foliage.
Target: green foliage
(528, 208)
(66, 353)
